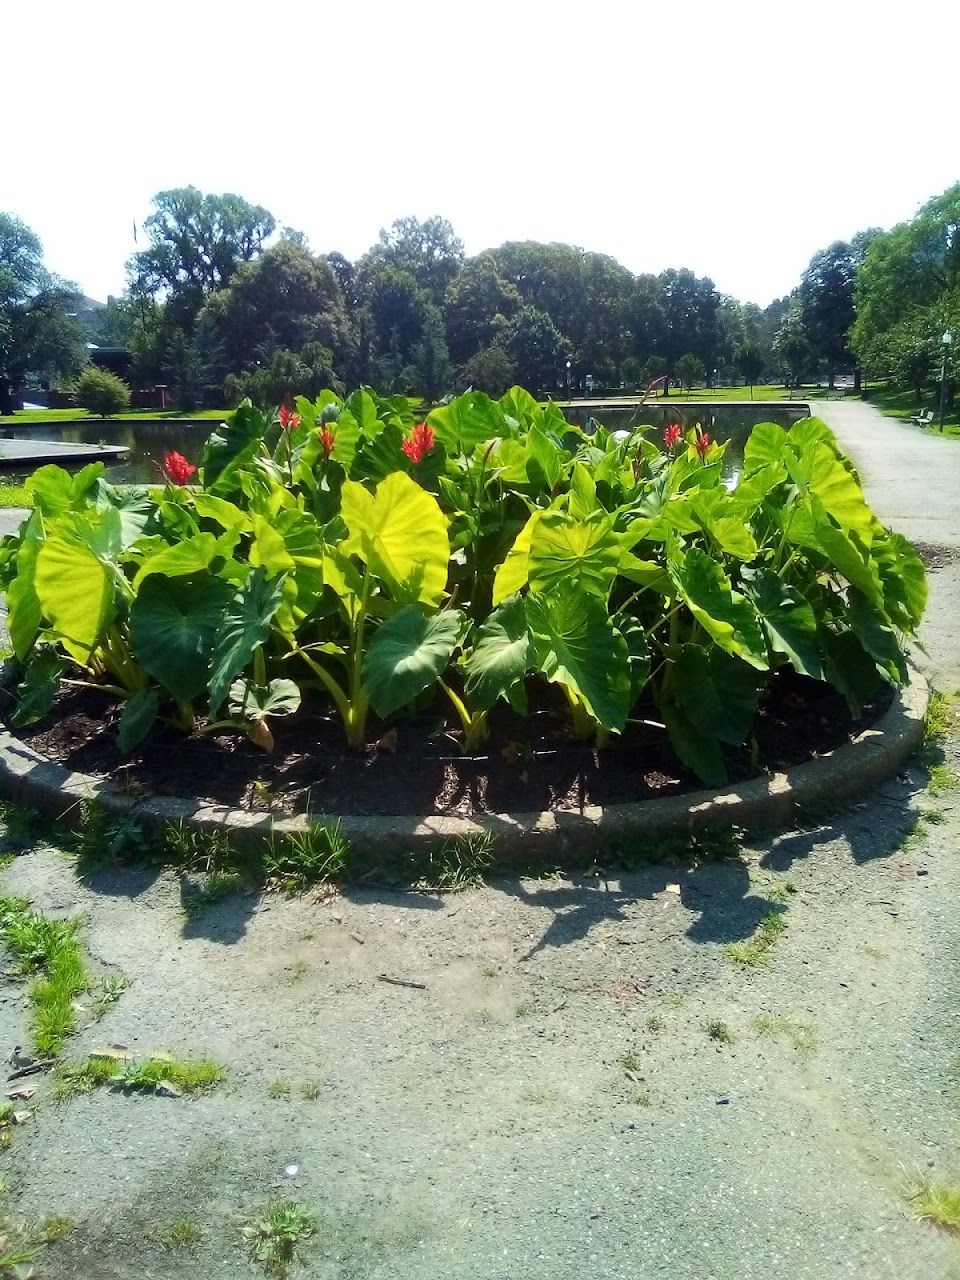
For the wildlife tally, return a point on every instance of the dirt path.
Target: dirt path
(551, 1104)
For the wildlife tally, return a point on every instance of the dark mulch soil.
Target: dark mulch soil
(528, 764)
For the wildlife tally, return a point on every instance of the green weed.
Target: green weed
(55, 1227)
(311, 1090)
(942, 779)
(218, 885)
(934, 1201)
(279, 1090)
(525, 1009)
(688, 847)
(47, 950)
(182, 1233)
(187, 1075)
(23, 828)
(642, 1098)
(655, 1023)
(459, 864)
(274, 1235)
(755, 951)
(205, 852)
(630, 1061)
(800, 1034)
(109, 992)
(302, 859)
(938, 717)
(719, 1031)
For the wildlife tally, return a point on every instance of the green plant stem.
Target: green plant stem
(474, 722)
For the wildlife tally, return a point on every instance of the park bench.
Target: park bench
(923, 419)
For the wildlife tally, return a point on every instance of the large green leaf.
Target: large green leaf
(500, 657)
(764, 446)
(269, 547)
(56, 491)
(401, 534)
(76, 577)
(135, 506)
(718, 693)
(379, 456)
(243, 626)
(821, 473)
(179, 560)
(408, 654)
(701, 755)
(903, 580)
(575, 645)
(467, 421)
(788, 620)
(231, 447)
(38, 689)
(512, 575)
(227, 514)
(849, 668)
(585, 551)
(875, 632)
(138, 718)
(23, 604)
(726, 616)
(173, 626)
(280, 697)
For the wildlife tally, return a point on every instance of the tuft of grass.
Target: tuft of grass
(755, 951)
(22, 828)
(802, 1035)
(462, 863)
(297, 971)
(55, 1227)
(934, 1201)
(630, 1061)
(204, 852)
(712, 844)
(938, 717)
(781, 892)
(47, 950)
(311, 1090)
(279, 1089)
(489, 970)
(183, 1233)
(188, 1075)
(933, 817)
(15, 495)
(538, 1095)
(642, 1098)
(218, 885)
(109, 992)
(525, 1009)
(941, 780)
(303, 859)
(719, 1031)
(655, 1023)
(276, 1232)
(103, 840)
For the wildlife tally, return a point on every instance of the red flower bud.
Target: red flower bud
(177, 468)
(327, 440)
(702, 443)
(673, 435)
(422, 440)
(288, 420)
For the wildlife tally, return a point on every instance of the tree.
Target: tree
(490, 370)
(792, 347)
(826, 301)
(750, 363)
(391, 323)
(286, 298)
(536, 347)
(689, 369)
(100, 391)
(37, 333)
(473, 303)
(431, 358)
(690, 307)
(197, 242)
(429, 252)
(288, 373)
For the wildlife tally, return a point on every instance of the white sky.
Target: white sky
(733, 138)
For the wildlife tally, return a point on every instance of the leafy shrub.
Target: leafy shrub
(100, 391)
(467, 561)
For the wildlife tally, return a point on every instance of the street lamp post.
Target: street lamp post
(945, 342)
(569, 397)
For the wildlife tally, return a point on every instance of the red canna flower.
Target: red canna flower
(702, 443)
(288, 420)
(177, 468)
(421, 441)
(673, 435)
(327, 440)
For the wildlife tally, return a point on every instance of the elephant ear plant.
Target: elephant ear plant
(482, 561)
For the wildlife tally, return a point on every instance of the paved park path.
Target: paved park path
(586, 1084)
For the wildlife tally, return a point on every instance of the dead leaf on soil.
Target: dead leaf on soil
(167, 1089)
(388, 742)
(114, 1052)
(260, 735)
(24, 1093)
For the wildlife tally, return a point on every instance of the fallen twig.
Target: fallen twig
(401, 982)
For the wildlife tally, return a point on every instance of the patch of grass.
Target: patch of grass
(15, 1252)
(642, 1098)
(489, 970)
(942, 779)
(47, 950)
(22, 828)
(183, 1233)
(297, 972)
(462, 863)
(934, 1201)
(538, 1095)
(15, 495)
(780, 892)
(655, 1023)
(275, 1233)
(525, 1009)
(902, 402)
(311, 1090)
(712, 844)
(218, 885)
(103, 839)
(630, 1061)
(207, 853)
(939, 716)
(719, 1031)
(912, 835)
(300, 860)
(802, 1035)
(55, 1227)
(279, 1090)
(933, 817)
(755, 951)
(187, 1075)
(108, 993)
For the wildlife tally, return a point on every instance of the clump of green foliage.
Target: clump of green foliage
(275, 1233)
(187, 1075)
(49, 953)
(756, 950)
(933, 1200)
(101, 392)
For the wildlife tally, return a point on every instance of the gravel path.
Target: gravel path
(551, 1104)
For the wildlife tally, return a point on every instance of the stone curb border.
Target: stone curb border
(29, 779)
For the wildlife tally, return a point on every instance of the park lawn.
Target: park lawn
(14, 495)
(135, 415)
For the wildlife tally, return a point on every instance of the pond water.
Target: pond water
(722, 422)
(148, 440)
